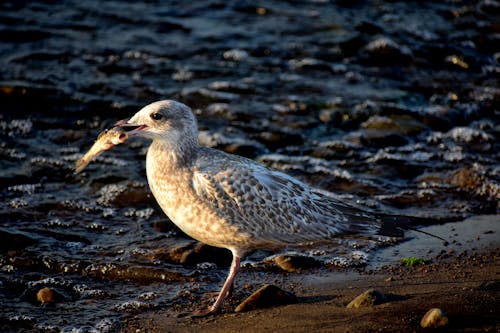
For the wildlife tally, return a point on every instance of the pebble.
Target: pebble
(295, 263)
(434, 318)
(47, 295)
(265, 297)
(369, 298)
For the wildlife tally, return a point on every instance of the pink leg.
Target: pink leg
(235, 266)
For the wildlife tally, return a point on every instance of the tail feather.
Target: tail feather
(396, 225)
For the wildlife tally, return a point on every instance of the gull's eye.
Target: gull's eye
(156, 116)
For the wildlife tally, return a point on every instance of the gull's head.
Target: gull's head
(166, 120)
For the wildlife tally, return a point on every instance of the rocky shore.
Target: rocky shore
(460, 280)
(467, 289)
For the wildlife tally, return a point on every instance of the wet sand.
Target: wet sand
(463, 279)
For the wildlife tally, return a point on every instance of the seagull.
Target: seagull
(232, 202)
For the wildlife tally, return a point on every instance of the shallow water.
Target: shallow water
(392, 105)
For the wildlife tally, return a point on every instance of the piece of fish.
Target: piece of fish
(106, 140)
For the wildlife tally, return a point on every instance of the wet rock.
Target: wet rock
(474, 181)
(19, 323)
(403, 124)
(133, 306)
(369, 28)
(489, 7)
(490, 286)
(124, 194)
(265, 297)
(466, 178)
(277, 139)
(205, 253)
(334, 149)
(134, 273)
(231, 143)
(147, 296)
(182, 75)
(385, 51)
(439, 117)
(163, 225)
(310, 64)
(14, 241)
(232, 87)
(367, 299)
(434, 318)
(16, 127)
(377, 138)
(468, 135)
(204, 96)
(193, 253)
(236, 55)
(86, 292)
(48, 295)
(295, 263)
(217, 110)
(244, 149)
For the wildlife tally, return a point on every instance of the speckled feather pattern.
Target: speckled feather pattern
(232, 202)
(229, 201)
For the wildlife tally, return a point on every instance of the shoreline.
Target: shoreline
(465, 284)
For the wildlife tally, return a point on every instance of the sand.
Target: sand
(463, 279)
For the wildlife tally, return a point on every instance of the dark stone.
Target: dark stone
(380, 139)
(295, 263)
(367, 299)
(193, 253)
(265, 297)
(14, 241)
(369, 28)
(384, 51)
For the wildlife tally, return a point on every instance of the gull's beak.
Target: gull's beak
(123, 123)
(126, 123)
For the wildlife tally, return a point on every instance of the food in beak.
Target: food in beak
(105, 141)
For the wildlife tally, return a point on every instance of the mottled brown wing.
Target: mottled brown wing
(272, 206)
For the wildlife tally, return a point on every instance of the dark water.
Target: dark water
(394, 105)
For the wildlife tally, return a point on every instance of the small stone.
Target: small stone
(193, 253)
(368, 298)
(434, 318)
(295, 263)
(265, 297)
(46, 295)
